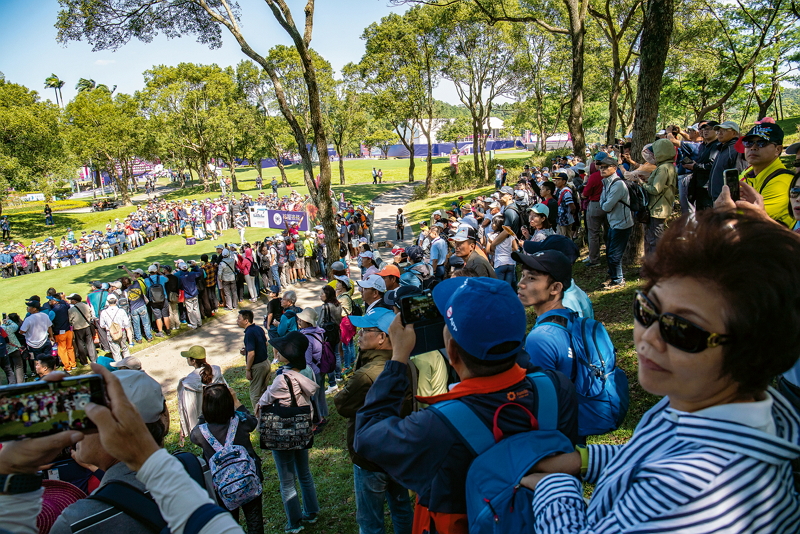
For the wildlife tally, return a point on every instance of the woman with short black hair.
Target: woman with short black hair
(712, 329)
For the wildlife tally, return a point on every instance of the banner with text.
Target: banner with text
(260, 217)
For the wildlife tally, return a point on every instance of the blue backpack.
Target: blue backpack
(495, 500)
(602, 387)
(233, 470)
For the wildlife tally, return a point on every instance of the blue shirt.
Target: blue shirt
(577, 300)
(549, 345)
(438, 251)
(148, 280)
(189, 281)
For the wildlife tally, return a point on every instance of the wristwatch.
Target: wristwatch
(16, 483)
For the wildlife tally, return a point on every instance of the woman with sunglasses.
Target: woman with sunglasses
(715, 454)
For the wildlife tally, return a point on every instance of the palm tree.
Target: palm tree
(85, 85)
(105, 88)
(55, 83)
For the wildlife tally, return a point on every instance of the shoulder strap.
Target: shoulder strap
(461, 419)
(231, 431)
(82, 315)
(210, 437)
(412, 368)
(191, 464)
(547, 411)
(771, 176)
(290, 385)
(558, 320)
(132, 502)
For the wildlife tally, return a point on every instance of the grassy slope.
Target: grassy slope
(28, 223)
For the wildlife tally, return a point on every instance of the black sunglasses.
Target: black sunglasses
(675, 330)
(760, 143)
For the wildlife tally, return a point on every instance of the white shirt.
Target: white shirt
(35, 327)
(113, 314)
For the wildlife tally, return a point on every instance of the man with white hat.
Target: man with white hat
(115, 321)
(372, 289)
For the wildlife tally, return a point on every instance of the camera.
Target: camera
(43, 408)
(421, 311)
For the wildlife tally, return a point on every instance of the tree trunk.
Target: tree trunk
(613, 109)
(477, 130)
(656, 31)
(259, 170)
(411, 163)
(429, 166)
(232, 163)
(341, 169)
(577, 30)
(279, 163)
(122, 181)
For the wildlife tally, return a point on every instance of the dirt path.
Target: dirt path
(222, 338)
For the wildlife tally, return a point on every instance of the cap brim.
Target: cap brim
(528, 261)
(793, 148)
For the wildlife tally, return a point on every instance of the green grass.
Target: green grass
(790, 129)
(28, 224)
(77, 277)
(421, 210)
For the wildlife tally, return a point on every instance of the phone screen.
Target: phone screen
(419, 308)
(43, 408)
(732, 181)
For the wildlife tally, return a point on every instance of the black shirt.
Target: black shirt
(274, 307)
(255, 340)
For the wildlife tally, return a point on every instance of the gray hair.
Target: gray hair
(291, 296)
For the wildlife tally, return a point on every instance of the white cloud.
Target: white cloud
(105, 61)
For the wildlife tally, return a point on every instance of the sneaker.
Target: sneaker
(293, 530)
(310, 518)
(615, 285)
(590, 265)
(332, 389)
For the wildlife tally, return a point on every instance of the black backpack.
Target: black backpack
(156, 292)
(638, 199)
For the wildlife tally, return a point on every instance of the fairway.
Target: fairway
(76, 278)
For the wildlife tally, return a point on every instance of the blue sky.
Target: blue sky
(29, 52)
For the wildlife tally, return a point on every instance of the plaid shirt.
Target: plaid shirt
(211, 274)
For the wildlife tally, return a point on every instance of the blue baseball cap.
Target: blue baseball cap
(600, 156)
(376, 318)
(468, 305)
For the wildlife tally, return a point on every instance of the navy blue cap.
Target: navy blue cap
(561, 243)
(468, 305)
(551, 262)
(395, 295)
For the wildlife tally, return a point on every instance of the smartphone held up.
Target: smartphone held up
(421, 311)
(37, 409)
(732, 181)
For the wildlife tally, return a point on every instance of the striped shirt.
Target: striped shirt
(683, 472)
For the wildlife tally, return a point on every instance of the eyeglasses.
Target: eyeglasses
(675, 330)
(373, 330)
(794, 192)
(760, 143)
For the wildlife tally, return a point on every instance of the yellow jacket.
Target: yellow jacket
(776, 193)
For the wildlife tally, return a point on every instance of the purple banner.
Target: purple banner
(282, 219)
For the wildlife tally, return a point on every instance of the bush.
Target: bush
(544, 160)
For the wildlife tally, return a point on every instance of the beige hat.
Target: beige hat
(308, 315)
(131, 362)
